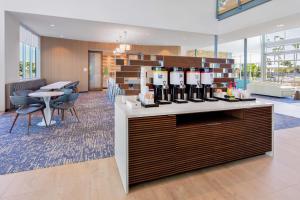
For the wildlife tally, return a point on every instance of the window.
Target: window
(29, 54)
(226, 5)
(283, 57)
(228, 8)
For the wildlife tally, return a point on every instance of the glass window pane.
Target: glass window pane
(27, 61)
(29, 45)
(21, 61)
(33, 60)
(289, 47)
(245, 1)
(293, 33)
(254, 69)
(275, 37)
(289, 57)
(226, 5)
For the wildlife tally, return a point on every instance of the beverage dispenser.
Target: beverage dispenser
(207, 80)
(178, 87)
(193, 81)
(160, 84)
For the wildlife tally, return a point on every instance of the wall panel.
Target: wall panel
(63, 59)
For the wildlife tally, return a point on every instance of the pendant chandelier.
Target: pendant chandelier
(123, 46)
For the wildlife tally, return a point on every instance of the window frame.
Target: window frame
(33, 51)
(240, 8)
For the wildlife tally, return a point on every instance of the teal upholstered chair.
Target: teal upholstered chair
(65, 103)
(72, 86)
(67, 91)
(26, 106)
(23, 93)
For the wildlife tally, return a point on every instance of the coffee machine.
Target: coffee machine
(194, 85)
(160, 84)
(177, 84)
(207, 79)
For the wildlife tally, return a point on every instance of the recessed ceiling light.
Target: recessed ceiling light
(280, 25)
(52, 25)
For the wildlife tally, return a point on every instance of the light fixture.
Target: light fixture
(280, 25)
(52, 25)
(123, 46)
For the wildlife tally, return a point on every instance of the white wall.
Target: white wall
(2, 58)
(12, 40)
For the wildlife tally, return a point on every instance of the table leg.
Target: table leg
(47, 112)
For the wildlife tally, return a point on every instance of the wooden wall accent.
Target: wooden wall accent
(133, 73)
(161, 146)
(144, 62)
(223, 67)
(63, 59)
(182, 61)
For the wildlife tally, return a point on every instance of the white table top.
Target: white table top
(56, 86)
(190, 107)
(46, 94)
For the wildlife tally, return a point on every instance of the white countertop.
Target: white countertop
(190, 107)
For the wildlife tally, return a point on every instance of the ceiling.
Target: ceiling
(108, 32)
(189, 23)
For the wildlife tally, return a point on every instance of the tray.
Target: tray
(227, 99)
(248, 99)
(150, 105)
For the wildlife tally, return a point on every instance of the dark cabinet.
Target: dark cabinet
(151, 147)
(164, 145)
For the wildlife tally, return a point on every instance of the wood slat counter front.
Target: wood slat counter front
(152, 143)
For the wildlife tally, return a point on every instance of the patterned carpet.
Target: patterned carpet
(284, 121)
(66, 142)
(69, 141)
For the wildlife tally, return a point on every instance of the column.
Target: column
(216, 38)
(263, 58)
(245, 62)
(2, 60)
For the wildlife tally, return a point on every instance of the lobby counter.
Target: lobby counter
(151, 143)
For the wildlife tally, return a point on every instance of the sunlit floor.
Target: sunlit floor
(259, 178)
(283, 108)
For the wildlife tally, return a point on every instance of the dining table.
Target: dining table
(47, 111)
(56, 86)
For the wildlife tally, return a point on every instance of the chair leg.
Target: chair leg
(76, 114)
(52, 114)
(29, 119)
(29, 123)
(13, 123)
(45, 118)
(71, 112)
(58, 111)
(62, 115)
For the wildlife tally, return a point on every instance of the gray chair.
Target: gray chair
(65, 103)
(62, 98)
(23, 93)
(67, 91)
(26, 106)
(72, 86)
